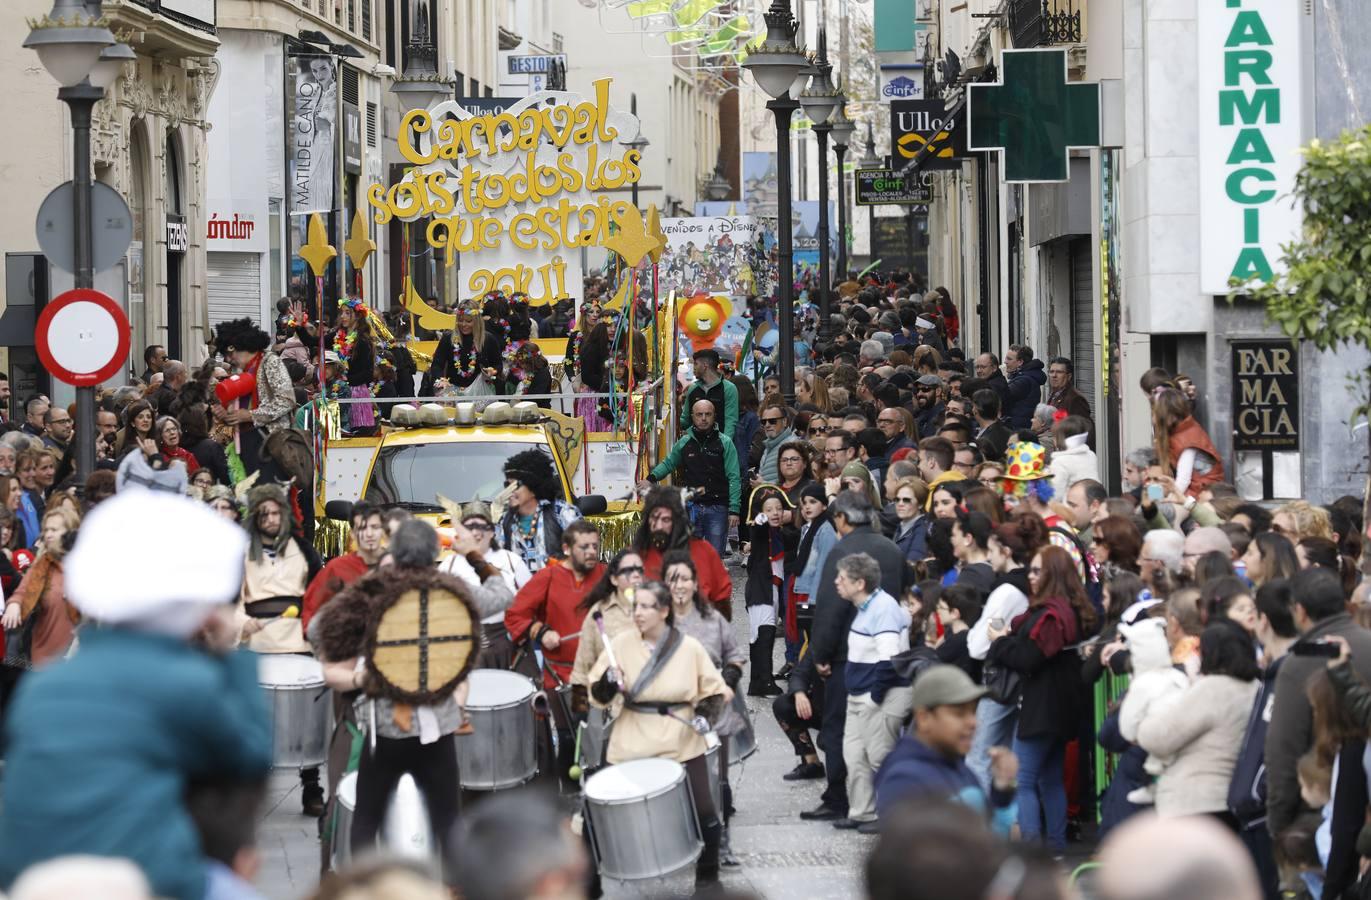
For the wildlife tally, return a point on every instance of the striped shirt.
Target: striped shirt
(879, 631)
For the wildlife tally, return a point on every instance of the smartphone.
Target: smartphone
(1154, 492)
(1324, 649)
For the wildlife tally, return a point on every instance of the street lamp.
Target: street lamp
(867, 163)
(776, 66)
(69, 42)
(638, 143)
(419, 85)
(819, 102)
(718, 187)
(842, 127)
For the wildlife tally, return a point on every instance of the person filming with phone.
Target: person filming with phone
(1320, 617)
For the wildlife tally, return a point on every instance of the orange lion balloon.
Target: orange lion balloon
(702, 318)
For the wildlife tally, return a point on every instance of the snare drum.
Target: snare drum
(405, 832)
(301, 710)
(641, 819)
(502, 751)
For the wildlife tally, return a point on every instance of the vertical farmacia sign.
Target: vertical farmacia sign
(1251, 128)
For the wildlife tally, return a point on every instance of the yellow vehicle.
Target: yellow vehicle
(410, 466)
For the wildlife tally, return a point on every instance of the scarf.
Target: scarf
(769, 470)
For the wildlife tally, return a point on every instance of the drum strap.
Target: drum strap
(271, 607)
(661, 655)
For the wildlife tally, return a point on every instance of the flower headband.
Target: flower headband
(356, 305)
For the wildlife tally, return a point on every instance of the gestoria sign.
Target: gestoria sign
(1251, 128)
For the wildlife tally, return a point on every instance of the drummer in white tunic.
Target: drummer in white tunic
(665, 681)
(696, 617)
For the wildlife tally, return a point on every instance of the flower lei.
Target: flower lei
(519, 370)
(343, 345)
(503, 321)
(293, 323)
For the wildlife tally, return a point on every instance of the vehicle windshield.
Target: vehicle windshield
(408, 474)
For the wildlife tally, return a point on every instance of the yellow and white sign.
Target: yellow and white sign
(516, 193)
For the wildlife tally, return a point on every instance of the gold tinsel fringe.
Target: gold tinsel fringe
(616, 529)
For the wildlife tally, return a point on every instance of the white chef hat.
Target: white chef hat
(921, 322)
(115, 576)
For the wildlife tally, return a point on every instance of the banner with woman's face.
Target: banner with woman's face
(312, 145)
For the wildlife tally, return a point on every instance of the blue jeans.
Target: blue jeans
(710, 523)
(1042, 793)
(994, 728)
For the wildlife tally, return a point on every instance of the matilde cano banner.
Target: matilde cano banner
(512, 196)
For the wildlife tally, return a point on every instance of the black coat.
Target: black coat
(1000, 385)
(210, 455)
(1025, 393)
(759, 590)
(832, 614)
(1054, 696)
(994, 440)
(444, 366)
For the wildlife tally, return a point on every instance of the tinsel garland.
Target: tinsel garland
(616, 530)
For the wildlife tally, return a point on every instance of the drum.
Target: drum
(743, 742)
(301, 711)
(713, 742)
(641, 819)
(405, 832)
(502, 751)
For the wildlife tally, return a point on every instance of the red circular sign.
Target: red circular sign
(82, 337)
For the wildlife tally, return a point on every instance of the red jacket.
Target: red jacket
(332, 578)
(551, 597)
(715, 585)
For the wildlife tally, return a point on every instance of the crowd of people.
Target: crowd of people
(987, 657)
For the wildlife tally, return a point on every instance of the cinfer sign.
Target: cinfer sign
(1251, 99)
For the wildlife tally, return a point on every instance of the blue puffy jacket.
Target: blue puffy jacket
(101, 748)
(913, 769)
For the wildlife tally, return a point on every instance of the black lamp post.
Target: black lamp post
(869, 162)
(777, 65)
(77, 49)
(842, 128)
(819, 101)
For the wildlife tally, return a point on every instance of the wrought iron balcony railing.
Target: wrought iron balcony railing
(1045, 23)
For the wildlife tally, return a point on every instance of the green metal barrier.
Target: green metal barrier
(1108, 689)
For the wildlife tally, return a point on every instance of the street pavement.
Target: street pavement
(782, 857)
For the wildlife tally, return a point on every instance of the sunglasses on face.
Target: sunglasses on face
(772, 420)
(818, 429)
(477, 526)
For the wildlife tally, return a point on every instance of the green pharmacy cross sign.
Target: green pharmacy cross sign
(1033, 115)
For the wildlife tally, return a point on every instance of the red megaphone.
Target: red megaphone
(235, 386)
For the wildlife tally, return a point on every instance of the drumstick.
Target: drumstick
(599, 618)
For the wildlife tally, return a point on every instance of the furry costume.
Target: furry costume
(256, 497)
(347, 625)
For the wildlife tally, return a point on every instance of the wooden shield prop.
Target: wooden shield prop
(425, 639)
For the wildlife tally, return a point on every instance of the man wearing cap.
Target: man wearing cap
(100, 747)
(711, 385)
(930, 761)
(875, 713)
(928, 409)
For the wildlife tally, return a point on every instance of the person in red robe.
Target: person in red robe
(665, 528)
(368, 535)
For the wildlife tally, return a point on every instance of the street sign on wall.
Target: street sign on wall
(1266, 396)
(916, 123)
(881, 187)
(1251, 115)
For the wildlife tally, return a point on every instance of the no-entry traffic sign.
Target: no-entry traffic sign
(82, 337)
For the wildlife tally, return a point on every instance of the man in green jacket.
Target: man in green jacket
(705, 463)
(711, 385)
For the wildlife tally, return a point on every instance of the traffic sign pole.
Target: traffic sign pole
(81, 99)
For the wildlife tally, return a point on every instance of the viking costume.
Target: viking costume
(411, 634)
(275, 575)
